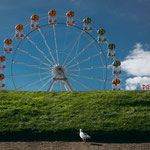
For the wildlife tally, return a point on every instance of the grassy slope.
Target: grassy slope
(49, 115)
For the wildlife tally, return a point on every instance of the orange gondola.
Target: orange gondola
(19, 34)
(8, 45)
(52, 13)
(52, 17)
(70, 14)
(19, 27)
(2, 62)
(115, 81)
(70, 18)
(34, 22)
(8, 41)
(34, 18)
(2, 76)
(2, 58)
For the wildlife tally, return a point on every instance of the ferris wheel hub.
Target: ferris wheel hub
(58, 71)
(59, 77)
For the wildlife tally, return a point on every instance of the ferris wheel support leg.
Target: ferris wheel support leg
(51, 86)
(67, 86)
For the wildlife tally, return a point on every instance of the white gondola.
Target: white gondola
(101, 38)
(19, 35)
(8, 49)
(116, 70)
(116, 67)
(111, 52)
(2, 66)
(2, 85)
(34, 25)
(52, 20)
(70, 21)
(87, 27)
(116, 87)
(34, 22)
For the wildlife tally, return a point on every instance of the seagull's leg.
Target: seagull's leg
(84, 140)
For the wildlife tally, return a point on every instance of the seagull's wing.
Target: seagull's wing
(86, 135)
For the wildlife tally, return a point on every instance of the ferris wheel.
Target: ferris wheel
(59, 53)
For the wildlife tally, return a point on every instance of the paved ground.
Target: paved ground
(71, 146)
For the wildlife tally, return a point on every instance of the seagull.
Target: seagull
(83, 135)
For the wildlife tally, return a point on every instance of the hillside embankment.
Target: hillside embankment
(108, 116)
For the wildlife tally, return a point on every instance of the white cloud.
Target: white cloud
(137, 64)
(135, 82)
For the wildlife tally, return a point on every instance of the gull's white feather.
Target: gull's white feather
(84, 135)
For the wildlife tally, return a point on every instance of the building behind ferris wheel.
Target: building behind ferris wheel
(87, 27)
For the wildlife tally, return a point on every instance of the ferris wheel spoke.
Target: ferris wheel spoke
(68, 45)
(108, 81)
(32, 83)
(48, 47)
(72, 47)
(72, 85)
(27, 64)
(29, 74)
(78, 54)
(88, 68)
(81, 83)
(45, 83)
(87, 77)
(49, 66)
(32, 56)
(85, 59)
(78, 45)
(109, 66)
(38, 49)
(66, 35)
(56, 44)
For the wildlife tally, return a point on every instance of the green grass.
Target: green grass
(60, 115)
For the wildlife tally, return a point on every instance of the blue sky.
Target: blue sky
(127, 24)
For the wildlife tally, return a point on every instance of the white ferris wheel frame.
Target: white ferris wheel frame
(62, 78)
